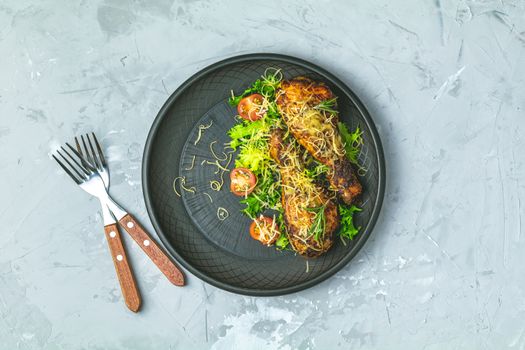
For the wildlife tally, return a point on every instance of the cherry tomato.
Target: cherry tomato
(242, 181)
(250, 107)
(265, 230)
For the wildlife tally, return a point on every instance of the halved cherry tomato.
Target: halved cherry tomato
(242, 181)
(264, 230)
(250, 107)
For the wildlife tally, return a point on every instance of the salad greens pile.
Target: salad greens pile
(251, 139)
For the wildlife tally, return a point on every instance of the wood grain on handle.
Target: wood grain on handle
(125, 275)
(153, 250)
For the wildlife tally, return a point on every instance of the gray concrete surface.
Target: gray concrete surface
(444, 81)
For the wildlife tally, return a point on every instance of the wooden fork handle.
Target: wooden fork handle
(153, 250)
(125, 275)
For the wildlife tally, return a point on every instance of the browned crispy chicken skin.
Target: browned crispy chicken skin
(299, 195)
(316, 130)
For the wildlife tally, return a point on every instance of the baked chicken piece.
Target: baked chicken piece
(310, 214)
(298, 102)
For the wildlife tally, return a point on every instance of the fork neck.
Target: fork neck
(116, 209)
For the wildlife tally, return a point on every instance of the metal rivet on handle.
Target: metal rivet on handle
(112, 234)
(129, 224)
(146, 242)
(119, 257)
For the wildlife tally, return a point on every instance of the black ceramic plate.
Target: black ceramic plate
(222, 252)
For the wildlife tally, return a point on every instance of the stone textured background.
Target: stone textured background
(444, 81)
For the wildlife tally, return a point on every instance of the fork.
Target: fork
(124, 271)
(87, 176)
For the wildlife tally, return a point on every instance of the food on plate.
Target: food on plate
(294, 165)
(242, 181)
(265, 230)
(310, 212)
(251, 108)
(307, 108)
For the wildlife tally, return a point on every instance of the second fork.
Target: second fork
(125, 275)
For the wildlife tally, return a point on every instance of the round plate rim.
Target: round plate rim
(335, 81)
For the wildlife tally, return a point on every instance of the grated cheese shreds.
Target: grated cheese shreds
(217, 185)
(215, 155)
(319, 125)
(269, 234)
(182, 184)
(211, 200)
(222, 213)
(202, 127)
(192, 163)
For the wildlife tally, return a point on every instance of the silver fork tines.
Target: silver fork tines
(88, 172)
(99, 155)
(99, 149)
(94, 155)
(97, 158)
(79, 149)
(81, 170)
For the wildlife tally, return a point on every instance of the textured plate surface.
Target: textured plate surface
(221, 252)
